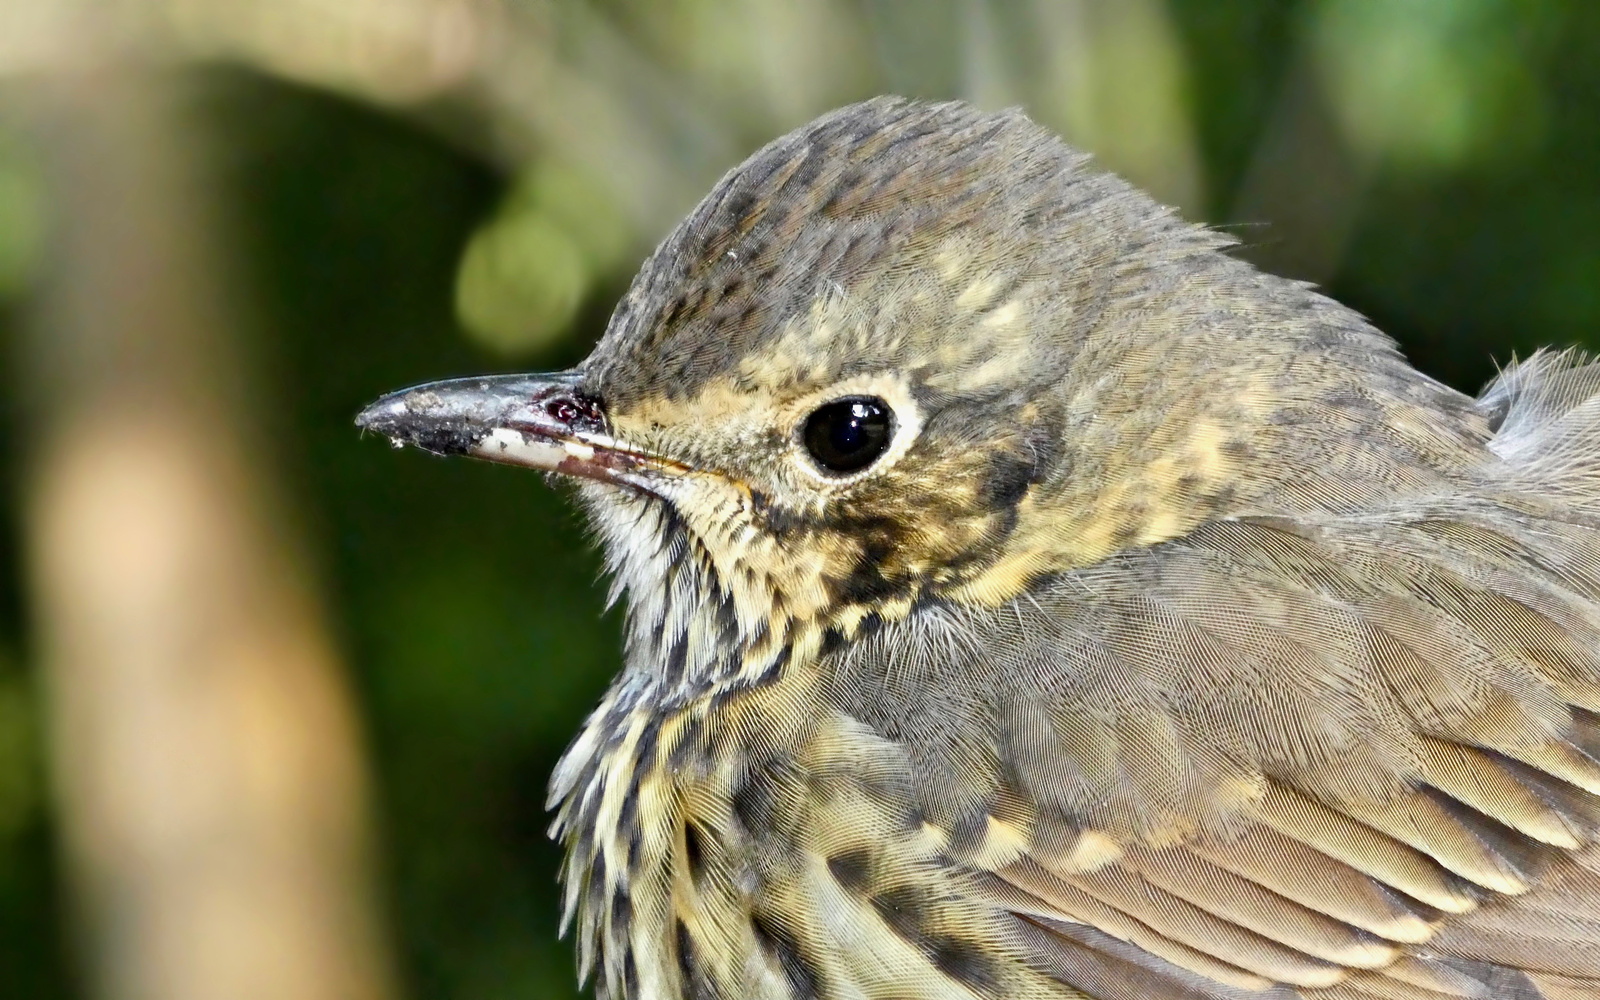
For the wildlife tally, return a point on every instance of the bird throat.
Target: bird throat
(691, 632)
(693, 645)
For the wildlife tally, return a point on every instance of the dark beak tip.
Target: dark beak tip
(395, 417)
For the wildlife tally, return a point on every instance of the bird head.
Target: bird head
(920, 353)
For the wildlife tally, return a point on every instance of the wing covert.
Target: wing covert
(1355, 759)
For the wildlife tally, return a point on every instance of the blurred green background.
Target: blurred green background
(409, 190)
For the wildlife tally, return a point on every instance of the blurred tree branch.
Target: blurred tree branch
(488, 73)
(205, 755)
(647, 101)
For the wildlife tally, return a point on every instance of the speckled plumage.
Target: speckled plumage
(1186, 642)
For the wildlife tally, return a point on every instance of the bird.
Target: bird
(1027, 597)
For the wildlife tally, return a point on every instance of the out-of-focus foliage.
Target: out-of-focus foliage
(524, 274)
(21, 213)
(1433, 83)
(18, 778)
(393, 242)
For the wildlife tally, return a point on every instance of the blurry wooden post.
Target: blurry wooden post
(204, 750)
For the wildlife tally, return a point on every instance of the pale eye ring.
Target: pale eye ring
(847, 435)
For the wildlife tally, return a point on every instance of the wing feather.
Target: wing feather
(1255, 908)
(1303, 875)
(1355, 760)
(1346, 755)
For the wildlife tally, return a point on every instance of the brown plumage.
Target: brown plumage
(1028, 599)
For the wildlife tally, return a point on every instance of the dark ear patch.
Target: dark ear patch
(1005, 482)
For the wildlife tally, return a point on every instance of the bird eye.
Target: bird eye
(847, 435)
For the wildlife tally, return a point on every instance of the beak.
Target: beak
(538, 421)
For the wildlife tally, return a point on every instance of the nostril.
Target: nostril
(575, 411)
(563, 410)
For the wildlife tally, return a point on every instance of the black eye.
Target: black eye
(848, 434)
